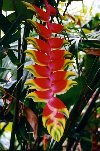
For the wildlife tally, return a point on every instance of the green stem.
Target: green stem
(21, 58)
(1, 4)
(16, 111)
(24, 47)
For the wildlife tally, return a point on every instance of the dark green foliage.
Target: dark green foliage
(12, 57)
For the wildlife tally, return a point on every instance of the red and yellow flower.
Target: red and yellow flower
(51, 78)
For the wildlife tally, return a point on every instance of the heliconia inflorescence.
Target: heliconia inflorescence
(51, 78)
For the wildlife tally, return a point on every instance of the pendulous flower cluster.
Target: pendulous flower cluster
(51, 78)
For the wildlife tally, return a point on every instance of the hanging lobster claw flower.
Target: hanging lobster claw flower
(51, 77)
(55, 126)
(37, 70)
(38, 57)
(62, 86)
(42, 15)
(61, 75)
(57, 43)
(50, 9)
(58, 105)
(40, 96)
(59, 54)
(42, 30)
(38, 44)
(45, 84)
(54, 119)
(39, 83)
(43, 59)
(55, 28)
(59, 64)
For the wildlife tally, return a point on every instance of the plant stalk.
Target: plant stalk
(1, 4)
(16, 111)
(21, 58)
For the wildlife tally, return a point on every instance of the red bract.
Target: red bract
(38, 57)
(41, 96)
(38, 71)
(56, 42)
(50, 9)
(39, 44)
(55, 28)
(42, 30)
(49, 71)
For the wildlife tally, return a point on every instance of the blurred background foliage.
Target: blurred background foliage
(82, 29)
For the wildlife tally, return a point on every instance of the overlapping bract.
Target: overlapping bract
(49, 70)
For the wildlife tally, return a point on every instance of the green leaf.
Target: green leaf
(86, 142)
(91, 64)
(3, 69)
(22, 10)
(98, 110)
(4, 23)
(2, 89)
(72, 95)
(18, 7)
(14, 37)
(12, 57)
(3, 81)
(11, 17)
(2, 54)
(8, 6)
(5, 40)
(24, 126)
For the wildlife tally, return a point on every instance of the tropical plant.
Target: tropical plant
(60, 45)
(49, 70)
